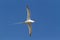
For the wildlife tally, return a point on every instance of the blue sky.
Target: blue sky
(46, 13)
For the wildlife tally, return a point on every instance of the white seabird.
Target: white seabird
(29, 21)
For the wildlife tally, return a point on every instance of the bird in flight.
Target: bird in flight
(29, 21)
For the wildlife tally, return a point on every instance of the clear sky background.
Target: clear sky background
(46, 13)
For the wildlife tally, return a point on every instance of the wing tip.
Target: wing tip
(27, 6)
(30, 35)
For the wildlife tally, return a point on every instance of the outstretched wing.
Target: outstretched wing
(30, 28)
(28, 12)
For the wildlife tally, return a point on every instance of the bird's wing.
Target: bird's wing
(30, 28)
(28, 12)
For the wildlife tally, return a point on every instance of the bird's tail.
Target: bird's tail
(20, 23)
(17, 23)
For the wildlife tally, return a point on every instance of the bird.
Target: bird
(28, 20)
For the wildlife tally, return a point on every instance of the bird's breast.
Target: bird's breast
(29, 21)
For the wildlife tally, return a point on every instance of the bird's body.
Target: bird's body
(29, 21)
